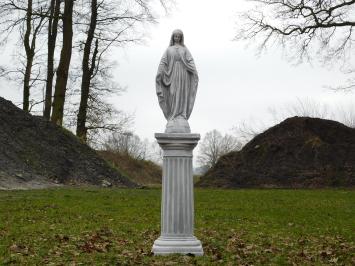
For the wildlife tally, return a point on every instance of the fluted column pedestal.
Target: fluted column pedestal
(177, 206)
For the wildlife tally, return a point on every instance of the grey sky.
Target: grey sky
(234, 85)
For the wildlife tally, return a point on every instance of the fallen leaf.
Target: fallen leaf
(22, 249)
(333, 260)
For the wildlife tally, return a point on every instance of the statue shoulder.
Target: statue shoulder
(187, 50)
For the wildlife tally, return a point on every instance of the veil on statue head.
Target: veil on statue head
(172, 37)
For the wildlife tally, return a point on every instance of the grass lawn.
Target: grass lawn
(119, 226)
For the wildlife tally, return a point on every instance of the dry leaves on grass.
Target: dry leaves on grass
(99, 241)
(3, 232)
(246, 248)
(62, 238)
(19, 249)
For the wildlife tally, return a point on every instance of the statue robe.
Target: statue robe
(176, 83)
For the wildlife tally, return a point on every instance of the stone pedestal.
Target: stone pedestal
(177, 206)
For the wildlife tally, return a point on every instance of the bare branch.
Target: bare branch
(303, 26)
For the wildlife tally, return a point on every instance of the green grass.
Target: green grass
(118, 227)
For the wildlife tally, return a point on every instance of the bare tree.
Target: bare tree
(28, 18)
(346, 115)
(30, 48)
(214, 145)
(2, 71)
(246, 130)
(53, 20)
(104, 119)
(306, 107)
(109, 25)
(64, 63)
(302, 26)
(155, 153)
(312, 108)
(87, 72)
(127, 143)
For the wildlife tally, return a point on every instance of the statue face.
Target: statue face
(177, 38)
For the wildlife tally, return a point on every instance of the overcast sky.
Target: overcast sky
(234, 86)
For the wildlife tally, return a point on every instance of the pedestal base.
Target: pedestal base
(182, 245)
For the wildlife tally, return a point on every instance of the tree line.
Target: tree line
(63, 48)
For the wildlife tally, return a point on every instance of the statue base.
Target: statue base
(182, 245)
(178, 125)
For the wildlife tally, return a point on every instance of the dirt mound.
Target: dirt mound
(299, 152)
(36, 153)
(142, 172)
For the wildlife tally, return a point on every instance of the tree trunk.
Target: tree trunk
(64, 63)
(81, 130)
(52, 37)
(29, 57)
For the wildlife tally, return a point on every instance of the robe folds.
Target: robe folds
(176, 83)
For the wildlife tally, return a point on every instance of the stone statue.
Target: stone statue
(176, 84)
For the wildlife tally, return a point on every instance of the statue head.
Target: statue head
(177, 36)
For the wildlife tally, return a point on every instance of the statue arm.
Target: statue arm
(190, 63)
(159, 77)
(190, 66)
(162, 65)
(159, 83)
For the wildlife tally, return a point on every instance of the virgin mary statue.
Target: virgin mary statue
(176, 84)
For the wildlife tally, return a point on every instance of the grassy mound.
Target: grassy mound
(142, 172)
(299, 152)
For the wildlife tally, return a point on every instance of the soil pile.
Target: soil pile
(299, 152)
(142, 172)
(35, 153)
